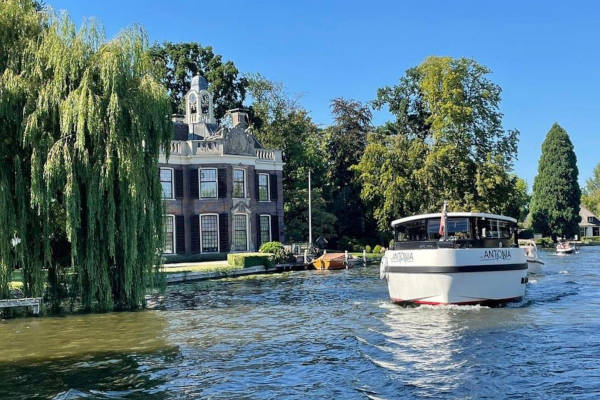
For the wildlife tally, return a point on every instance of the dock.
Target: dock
(33, 302)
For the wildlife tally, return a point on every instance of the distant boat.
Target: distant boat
(330, 261)
(534, 264)
(564, 247)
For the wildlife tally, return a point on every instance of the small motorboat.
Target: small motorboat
(331, 261)
(564, 247)
(534, 264)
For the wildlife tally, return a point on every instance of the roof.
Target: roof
(453, 214)
(584, 213)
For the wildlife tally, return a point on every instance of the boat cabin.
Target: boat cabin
(464, 230)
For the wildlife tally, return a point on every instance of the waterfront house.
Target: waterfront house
(222, 189)
(589, 225)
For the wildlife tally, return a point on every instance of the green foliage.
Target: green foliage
(87, 119)
(377, 249)
(556, 193)
(278, 122)
(270, 247)
(545, 242)
(282, 256)
(591, 192)
(181, 61)
(246, 260)
(447, 143)
(368, 249)
(343, 146)
(592, 241)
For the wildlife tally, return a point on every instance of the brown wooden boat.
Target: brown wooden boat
(330, 261)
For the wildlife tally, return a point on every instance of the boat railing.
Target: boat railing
(454, 244)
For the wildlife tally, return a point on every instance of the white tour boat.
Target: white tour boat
(473, 258)
(534, 264)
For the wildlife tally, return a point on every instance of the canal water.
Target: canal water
(318, 335)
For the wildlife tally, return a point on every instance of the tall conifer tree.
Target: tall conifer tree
(556, 192)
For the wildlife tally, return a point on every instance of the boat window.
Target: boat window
(456, 227)
(411, 231)
(496, 229)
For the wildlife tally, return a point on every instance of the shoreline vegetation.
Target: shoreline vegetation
(86, 118)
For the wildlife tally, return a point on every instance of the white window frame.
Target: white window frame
(268, 186)
(247, 233)
(218, 233)
(270, 232)
(245, 183)
(200, 183)
(172, 182)
(172, 216)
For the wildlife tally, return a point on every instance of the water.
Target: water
(317, 335)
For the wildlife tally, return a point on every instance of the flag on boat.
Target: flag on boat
(443, 221)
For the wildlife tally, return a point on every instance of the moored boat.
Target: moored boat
(534, 263)
(455, 258)
(330, 261)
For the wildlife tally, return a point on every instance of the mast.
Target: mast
(309, 213)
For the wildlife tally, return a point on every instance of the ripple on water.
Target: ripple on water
(307, 335)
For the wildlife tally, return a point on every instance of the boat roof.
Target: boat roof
(453, 214)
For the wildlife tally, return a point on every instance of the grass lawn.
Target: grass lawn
(214, 266)
(370, 256)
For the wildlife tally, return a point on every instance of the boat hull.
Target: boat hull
(456, 276)
(534, 266)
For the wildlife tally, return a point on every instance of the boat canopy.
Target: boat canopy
(453, 214)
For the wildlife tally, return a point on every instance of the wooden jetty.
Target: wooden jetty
(33, 302)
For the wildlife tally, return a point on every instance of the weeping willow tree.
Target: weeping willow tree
(95, 118)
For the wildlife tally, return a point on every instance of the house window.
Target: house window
(239, 183)
(265, 229)
(596, 231)
(208, 183)
(240, 232)
(166, 181)
(169, 225)
(209, 233)
(263, 187)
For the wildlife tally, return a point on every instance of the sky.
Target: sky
(544, 54)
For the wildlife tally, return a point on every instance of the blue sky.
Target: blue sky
(544, 54)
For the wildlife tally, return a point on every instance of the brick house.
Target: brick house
(223, 191)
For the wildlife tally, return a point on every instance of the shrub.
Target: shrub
(270, 247)
(246, 260)
(544, 242)
(282, 256)
(368, 248)
(357, 248)
(377, 249)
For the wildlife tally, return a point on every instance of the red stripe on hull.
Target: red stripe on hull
(460, 303)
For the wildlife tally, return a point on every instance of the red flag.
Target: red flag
(443, 221)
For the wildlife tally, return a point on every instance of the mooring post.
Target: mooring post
(364, 257)
(324, 251)
(346, 258)
(305, 256)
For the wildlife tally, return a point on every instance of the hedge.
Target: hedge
(181, 258)
(246, 260)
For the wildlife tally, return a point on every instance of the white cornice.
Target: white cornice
(222, 159)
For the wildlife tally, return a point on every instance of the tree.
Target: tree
(278, 122)
(181, 61)
(344, 145)
(591, 192)
(556, 193)
(446, 143)
(94, 118)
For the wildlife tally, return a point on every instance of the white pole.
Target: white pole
(309, 213)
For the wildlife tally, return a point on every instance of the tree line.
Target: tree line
(84, 119)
